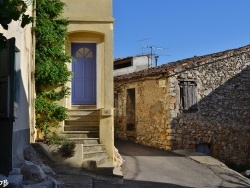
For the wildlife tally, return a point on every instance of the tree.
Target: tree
(12, 10)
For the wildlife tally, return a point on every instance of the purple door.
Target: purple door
(84, 69)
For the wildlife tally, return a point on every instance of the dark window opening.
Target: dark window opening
(122, 65)
(188, 96)
(203, 148)
(116, 103)
(130, 110)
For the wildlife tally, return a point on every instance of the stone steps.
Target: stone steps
(89, 128)
(99, 160)
(82, 127)
(87, 155)
(83, 107)
(83, 118)
(82, 123)
(85, 140)
(84, 112)
(93, 147)
(81, 134)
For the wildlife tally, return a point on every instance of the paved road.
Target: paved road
(147, 167)
(150, 167)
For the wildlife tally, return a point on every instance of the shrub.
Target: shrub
(67, 149)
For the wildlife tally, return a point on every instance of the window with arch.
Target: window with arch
(84, 53)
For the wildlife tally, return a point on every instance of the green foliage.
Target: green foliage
(51, 68)
(48, 114)
(51, 39)
(55, 96)
(67, 149)
(12, 10)
(54, 138)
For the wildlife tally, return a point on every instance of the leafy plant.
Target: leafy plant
(51, 73)
(67, 149)
(48, 115)
(53, 138)
(12, 10)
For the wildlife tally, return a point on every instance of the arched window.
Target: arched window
(84, 53)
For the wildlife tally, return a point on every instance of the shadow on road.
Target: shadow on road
(135, 184)
(128, 148)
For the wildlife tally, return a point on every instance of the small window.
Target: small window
(116, 103)
(203, 148)
(188, 97)
(122, 64)
(130, 110)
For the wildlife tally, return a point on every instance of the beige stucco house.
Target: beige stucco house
(91, 121)
(17, 92)
(90, 104)
(200, 103)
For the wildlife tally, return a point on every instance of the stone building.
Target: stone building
(200, 103)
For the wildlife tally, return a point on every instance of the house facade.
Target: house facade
(201, 103)
(90, 104)
(17, 93)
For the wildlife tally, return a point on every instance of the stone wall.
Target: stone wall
(223, 116)
(152, 117)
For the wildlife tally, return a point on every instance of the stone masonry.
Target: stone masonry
(222, 100)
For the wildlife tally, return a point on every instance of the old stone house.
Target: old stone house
(200, 103)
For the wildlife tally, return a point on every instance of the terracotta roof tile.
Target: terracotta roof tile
(181, 63)
(129, 57)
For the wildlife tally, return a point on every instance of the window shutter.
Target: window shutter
(188, 95)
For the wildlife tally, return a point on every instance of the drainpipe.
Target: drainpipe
(33, 91)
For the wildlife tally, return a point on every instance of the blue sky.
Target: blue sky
(185, 28)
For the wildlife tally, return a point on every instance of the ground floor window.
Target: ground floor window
(203, 148)
(130, 110)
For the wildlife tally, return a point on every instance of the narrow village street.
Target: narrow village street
(124, 94)
(150, 167)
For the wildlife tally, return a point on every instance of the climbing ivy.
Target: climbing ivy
(12, 10)
(51, 73)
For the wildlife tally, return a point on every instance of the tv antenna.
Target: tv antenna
(143, 40)
(152, 54)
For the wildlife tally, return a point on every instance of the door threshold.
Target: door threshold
(83, 107)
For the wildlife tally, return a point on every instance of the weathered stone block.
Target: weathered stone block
(179, 131)
(170, 138)
(168, 148)
(32, 172)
